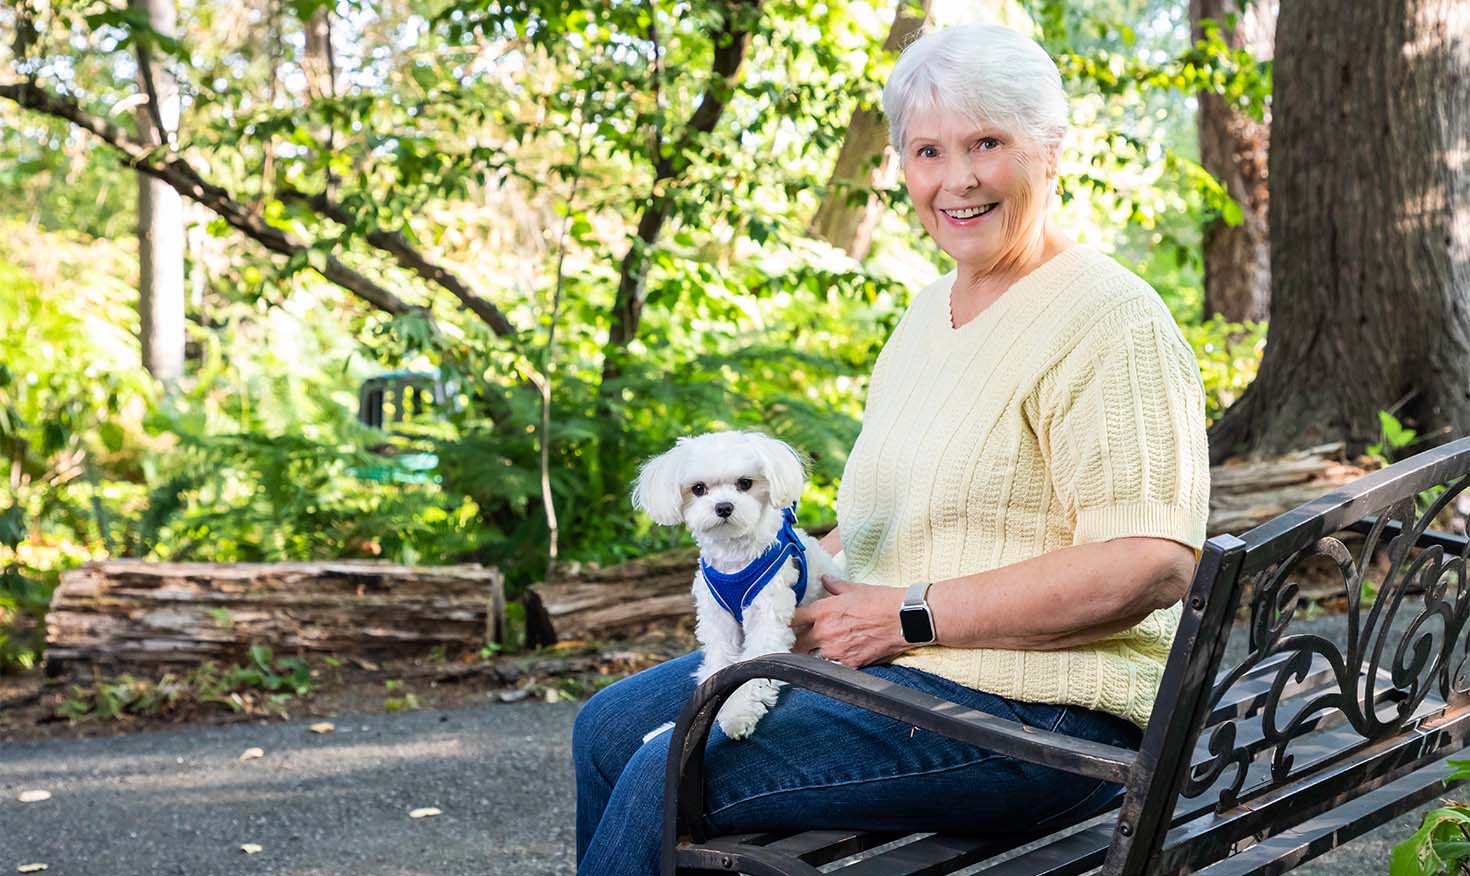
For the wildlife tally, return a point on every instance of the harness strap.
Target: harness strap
(735, 591)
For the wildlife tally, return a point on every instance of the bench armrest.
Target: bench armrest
(684, 779)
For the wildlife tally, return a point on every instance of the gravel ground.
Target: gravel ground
(182, 801)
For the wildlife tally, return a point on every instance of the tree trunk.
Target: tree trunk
(1370, 202)
(319, 63)
(133, 613)
(1233, 148)
(160, 213)
(847, 216)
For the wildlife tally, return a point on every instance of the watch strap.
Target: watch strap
(917, 593)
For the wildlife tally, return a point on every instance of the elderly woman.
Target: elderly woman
(1029, 488)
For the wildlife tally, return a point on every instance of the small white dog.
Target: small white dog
(736, 491)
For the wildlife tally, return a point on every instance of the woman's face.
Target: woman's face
(980, 191)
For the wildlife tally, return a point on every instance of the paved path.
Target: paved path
(181, 802)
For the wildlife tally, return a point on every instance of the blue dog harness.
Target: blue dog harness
(735, 592)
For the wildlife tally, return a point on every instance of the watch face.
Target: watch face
(916, 624)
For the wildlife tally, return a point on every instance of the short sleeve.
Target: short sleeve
(1122, 427)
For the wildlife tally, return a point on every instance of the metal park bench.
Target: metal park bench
(1253, 766)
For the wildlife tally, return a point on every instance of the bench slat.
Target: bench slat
(933, 855)
(818, 847)
(749, 860)
(1069, 855)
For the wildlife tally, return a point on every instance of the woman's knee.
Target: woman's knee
(592, 728)
(643, 774)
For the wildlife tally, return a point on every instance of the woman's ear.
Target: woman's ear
(785, 472)
(1053, 162)
(658, 490)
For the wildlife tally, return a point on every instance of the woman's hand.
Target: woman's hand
(855, 625)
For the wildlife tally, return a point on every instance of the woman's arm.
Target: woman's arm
(1063, 598)
(831, 543)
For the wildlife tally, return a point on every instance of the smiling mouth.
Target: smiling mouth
(969, 212)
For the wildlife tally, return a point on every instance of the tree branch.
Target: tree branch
(730, 43)
(396, 245)
(154, 111)
(168, 166)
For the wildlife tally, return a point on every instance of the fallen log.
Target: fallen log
(130, 612)
(1245, 494)
(616, 602)
(653, 593)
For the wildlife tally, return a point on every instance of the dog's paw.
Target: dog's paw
(741, 724)
(744, 709)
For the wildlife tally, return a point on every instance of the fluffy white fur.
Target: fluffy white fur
(719, 464)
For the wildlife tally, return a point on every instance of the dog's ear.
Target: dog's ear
(658, 491)
(784, 469)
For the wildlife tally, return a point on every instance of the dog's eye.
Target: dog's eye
(698, 489)
(744, 484)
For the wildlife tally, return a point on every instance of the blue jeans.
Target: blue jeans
(814, 763)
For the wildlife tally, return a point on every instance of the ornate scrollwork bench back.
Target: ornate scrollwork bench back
(1332, 721)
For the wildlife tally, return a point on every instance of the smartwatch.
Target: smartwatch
(915, 618)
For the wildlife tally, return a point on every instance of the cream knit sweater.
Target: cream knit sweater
(1068, 411)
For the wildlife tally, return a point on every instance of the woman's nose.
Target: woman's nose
(959, 175)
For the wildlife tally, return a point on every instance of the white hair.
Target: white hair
(985, 72)
(718, 457)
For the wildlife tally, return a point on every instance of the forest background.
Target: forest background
(602, 225)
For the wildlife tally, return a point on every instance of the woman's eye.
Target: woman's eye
(744, 484)
(988, 143)
(698, 489)
(926, 152)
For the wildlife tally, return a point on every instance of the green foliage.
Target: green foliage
(25, 594)
(1441, 845)
(1393, 438)
(405, 702)
(265, 684)
(68, 381)
(1229, 355)
(797, 378)
(475, 130)
(1133, 72)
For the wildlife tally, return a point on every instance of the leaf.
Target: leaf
(12, 526)
(1232, 213)
(111, 434)
(34, 796)
(251, 848)
(1416, 856)
(426, 812)
(1454, 851)
(1460, 769)
(1394, 431)
(322, 727)
(31, 868)
(252, 754)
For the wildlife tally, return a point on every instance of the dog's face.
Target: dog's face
(721, 484)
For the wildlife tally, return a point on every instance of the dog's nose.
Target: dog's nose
(725, 509)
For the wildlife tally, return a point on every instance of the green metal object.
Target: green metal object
(399, 397)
